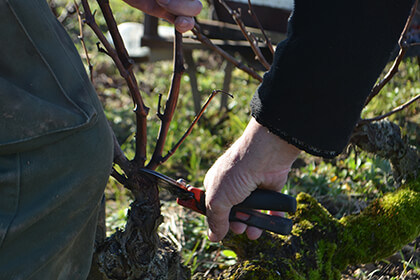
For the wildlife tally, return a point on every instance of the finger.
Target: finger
(184, 24)
(238, 227)
(253, 233)
(189, 8)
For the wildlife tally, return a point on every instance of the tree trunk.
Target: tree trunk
(138, 252)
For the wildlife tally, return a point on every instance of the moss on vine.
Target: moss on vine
(321, 246)
(391, 221)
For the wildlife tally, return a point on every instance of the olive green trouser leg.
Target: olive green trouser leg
(49, 202)
(55, 148)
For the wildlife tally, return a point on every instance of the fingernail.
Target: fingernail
(208, 233)
(183, 22)
(211, 235)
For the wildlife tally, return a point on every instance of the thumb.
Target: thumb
(218, 222)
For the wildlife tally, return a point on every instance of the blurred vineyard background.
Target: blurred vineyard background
(344, 185)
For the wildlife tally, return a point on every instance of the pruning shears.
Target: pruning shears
(194, 199)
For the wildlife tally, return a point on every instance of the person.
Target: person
(310, 99)
(56, 148)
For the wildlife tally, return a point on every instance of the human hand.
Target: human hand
(179, 12)
(258, 159)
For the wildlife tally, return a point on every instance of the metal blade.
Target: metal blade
(175, 188)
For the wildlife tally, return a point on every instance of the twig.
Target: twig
(394, 68)
(115, 34)
(141, 130)
(90, 20)
(206, 41)
(159, 107)
(257, 21)
(119, 156)
(393, 111)
(194, 122)
(171, 102)
(119, 177)
(82, 41)
(140, 109)
(101, 50)
(251, 39)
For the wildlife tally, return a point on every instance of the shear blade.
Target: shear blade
(167, 183)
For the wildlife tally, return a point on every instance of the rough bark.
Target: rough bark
(137, 252)
(383, 138)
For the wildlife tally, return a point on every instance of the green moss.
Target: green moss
(309, 209)
(256, 271)
(302, 226)
(293, 274)
(324, 256)
(381, 229)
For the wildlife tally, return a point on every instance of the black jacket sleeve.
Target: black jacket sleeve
(323, 72)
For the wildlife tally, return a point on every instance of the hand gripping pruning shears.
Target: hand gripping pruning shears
(194, 199)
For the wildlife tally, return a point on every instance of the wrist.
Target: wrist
(262, 146)
(260, 157)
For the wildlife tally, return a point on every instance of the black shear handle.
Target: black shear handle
(260, 220)
(258, 199)
(269, 200)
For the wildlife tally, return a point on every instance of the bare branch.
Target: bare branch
(119, 177)
(393, 111)
(251, 39)
(90, 20)
(141, 130)
(394, 68)
(115, 34)
(159, 107)
(170, 103)
(101, 50)
(257, 21)
(140, 109)
(119, 156)
(206, 41)
(194, 122)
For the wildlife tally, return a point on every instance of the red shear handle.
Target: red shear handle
(197, 203)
